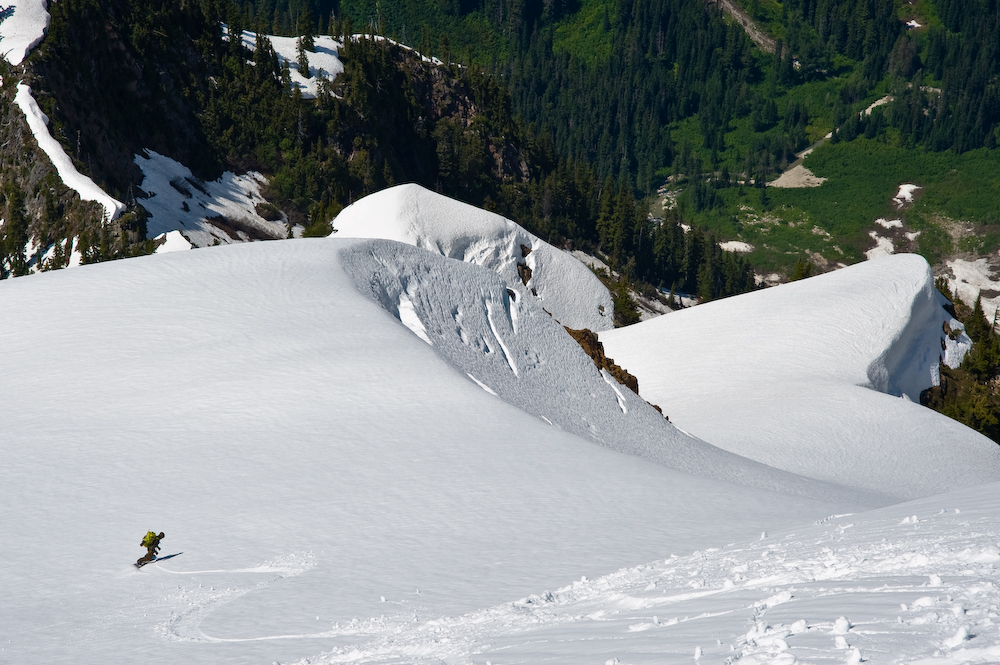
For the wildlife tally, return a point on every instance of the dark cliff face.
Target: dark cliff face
(119, 76)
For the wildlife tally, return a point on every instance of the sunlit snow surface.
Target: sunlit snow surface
(23, 28)
(819, 377)
(38, 123)
(565, 287)
(344, 492)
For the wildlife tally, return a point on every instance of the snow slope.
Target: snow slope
(817, 377)
(202, 213)
(913, 583)
(324, 471)
(411, 214)
(23, 28)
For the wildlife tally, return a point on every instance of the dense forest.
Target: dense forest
(168, 79)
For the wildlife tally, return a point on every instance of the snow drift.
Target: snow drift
(411, 214)
(818, 377)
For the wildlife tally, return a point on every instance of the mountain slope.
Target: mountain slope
(817, 377)
(562, 285)
(306, 451)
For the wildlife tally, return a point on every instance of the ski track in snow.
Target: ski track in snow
(185, 625)
(896, 590)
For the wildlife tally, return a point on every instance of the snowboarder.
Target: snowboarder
(151, 542)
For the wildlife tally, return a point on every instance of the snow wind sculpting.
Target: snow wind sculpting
(566, 288)
(821, 379)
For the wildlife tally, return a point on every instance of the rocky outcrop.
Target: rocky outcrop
(587, 339)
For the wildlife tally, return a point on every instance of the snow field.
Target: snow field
(416, 216)
(186, 210)
(913, 583)
(817, 377)
(23, 28)
(308, 454)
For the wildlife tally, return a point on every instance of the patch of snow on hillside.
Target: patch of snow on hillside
(324, 61)
(969, 279)
(736, 246)
(24, 29)
(807, 377)
(205, 213)
(411, 214)
(905, 195)
(38, 123)
(889, 223)
(173, 241)
(957, 347)
(883, 246)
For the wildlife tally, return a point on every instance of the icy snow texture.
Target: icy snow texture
(309, 455)
(178, 201)
(38, 123)
(24, 29)
(513, 348)
(416, 216)
(788, 376)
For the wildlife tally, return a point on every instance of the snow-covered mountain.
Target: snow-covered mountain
(818, 377)
(332, 433)
(563, 286)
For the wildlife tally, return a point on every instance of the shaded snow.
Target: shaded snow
(411, 214)
(512, 346)
(24, 29)
(81, 184)
(807, 377)
(205, 213)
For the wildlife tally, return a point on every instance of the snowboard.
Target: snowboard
(156, 559)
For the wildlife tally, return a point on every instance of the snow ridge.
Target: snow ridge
(468, 315)
(797, 387)
(411, 214)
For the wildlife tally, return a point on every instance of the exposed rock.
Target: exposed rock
(587, 339)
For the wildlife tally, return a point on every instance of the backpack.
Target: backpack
(149, 540)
